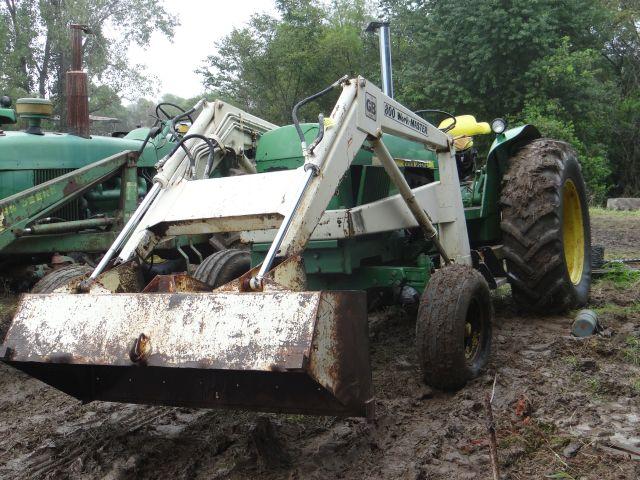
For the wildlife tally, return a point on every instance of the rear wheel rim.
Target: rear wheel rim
(572, 231)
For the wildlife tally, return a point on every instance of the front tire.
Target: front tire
(61, 277)
(546, 230)
(453, 328)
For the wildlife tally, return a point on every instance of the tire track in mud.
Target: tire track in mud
(92, 437)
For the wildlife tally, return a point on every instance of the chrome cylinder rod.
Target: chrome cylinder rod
(127, 230)
(385, 59)
(256, 282)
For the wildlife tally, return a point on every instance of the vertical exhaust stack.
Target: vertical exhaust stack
(385, 55)
(77, 91)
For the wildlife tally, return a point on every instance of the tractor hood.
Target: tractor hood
(22, 151)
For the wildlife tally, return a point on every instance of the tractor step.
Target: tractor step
(297, 352)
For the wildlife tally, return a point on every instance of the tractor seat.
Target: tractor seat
(466, 126)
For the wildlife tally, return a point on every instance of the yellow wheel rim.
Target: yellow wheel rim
(572, 231)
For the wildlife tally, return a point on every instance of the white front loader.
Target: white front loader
(256, 205)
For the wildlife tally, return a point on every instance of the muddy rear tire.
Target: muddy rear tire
(453, 328)
(61, 277)
(545, 225)
(222, 267)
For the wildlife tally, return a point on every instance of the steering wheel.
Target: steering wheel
(441, 112)
(161, 112)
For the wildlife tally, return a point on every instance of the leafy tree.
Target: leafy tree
(572, 67)
(270, 65)
(36, 53)
(571, 98)
(559, 65)
(622, 51)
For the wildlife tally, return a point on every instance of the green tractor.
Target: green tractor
(63, 193)
(371, 204)
(372, 199)
(65, 197)
(524, 203)
(527, 219)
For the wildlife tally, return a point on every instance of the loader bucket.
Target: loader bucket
(298, 352)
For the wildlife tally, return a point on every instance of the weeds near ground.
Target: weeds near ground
(603, 212)
(631, 352)
(621, 275)
(618, 310)
(572, 360)
(594, 385)
(560, 475)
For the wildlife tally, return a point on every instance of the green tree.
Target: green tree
(622, 51)
(271, 64)
(569, 67)
(572, 97)
(36, 53)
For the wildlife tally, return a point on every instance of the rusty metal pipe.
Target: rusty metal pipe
(407, 195)
(77, 89)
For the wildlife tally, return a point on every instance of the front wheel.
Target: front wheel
(453, 329)
(62, 277)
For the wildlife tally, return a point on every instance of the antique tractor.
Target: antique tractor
(373, 199)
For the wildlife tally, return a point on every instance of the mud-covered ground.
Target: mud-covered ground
(564, 408)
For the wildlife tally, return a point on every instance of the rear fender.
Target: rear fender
(508, 143)
(486, 229)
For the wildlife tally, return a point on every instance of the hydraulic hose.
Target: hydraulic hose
(210, 142)
(301, 103)
(186, 114)
(320, 134)
(442, 112)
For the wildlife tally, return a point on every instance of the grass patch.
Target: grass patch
(617, 310)
(621, 275)
(562, 474)
(636, 385)
(594, 385)
(603, 212)
(631, 352)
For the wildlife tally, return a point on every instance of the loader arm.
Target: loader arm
(232, 129)
(295, 201)
(20, 210)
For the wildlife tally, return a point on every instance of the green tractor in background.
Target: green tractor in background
(63, 193)
(65, 196)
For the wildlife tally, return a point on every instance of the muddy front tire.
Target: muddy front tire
(453, 328)
(61, 277)
(545, 226)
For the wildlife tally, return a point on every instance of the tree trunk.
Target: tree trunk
(43, 72)
(24, 82)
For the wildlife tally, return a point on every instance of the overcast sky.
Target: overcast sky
(202, 23)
